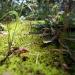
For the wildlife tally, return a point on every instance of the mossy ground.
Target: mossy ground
(40, 60)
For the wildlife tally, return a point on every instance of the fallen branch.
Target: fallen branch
(67, 50)
(14, 50)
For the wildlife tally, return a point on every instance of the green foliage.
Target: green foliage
(40, 60)
(32, 66)
(11, 14)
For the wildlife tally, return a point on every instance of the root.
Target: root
(67, 50)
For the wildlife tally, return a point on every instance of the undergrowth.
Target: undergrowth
(39, 60)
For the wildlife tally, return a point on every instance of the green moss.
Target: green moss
(33, 65)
